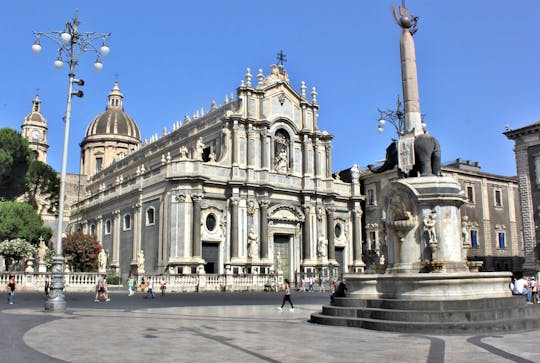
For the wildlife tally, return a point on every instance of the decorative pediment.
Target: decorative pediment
(285, 213)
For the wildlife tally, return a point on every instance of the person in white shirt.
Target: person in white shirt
(522, 288)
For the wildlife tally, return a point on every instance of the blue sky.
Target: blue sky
(477, 67)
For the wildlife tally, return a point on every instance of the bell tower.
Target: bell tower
(34, 129)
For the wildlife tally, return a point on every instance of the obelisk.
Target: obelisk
(409, 78)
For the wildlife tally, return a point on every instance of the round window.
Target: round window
(338, 230)
(211, 222)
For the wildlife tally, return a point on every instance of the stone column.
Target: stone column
(307, 232)
(197, 246)
(249, 143)
(100, 229)
(264, 227)
(137, 225)
(264, 149)
(527, 209)
(330, 233)
(115, 260)
(234, 227)
(236, 142)
(357, 239)
(305, 152)
(328, 160)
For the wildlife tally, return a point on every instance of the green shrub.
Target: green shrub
(114, 280)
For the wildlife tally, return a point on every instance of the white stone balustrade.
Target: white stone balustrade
(86, 282)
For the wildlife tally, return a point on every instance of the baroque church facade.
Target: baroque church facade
(246, 188)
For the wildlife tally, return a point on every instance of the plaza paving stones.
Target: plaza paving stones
(226, 328)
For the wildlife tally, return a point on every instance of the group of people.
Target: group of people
(147, 286)
(307, 283)
(526, 285)
(339, 291)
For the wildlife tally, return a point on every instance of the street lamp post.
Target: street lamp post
(395, 117)
(72, 45)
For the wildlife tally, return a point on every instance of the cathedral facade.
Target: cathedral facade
(245, 188)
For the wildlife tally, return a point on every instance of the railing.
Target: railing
(86, 281)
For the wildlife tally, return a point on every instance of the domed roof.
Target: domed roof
(114, 121)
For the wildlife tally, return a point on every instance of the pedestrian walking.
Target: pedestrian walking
(11, 286)
(163, 285)
(287, 296)
(149, 288)
(131, 284)
(101, 289)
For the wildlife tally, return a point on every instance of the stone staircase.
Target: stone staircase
(432, 316)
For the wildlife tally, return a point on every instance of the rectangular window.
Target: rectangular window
(502, 243)
(99, 164)
(470, 194)
(474, 238)
(108, 226)
(127, 222)
(498, 198)
(370, 197)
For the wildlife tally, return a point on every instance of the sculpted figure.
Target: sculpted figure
(199, 148)
(465, 231)
(102, 261)
(183, 152)
(42, 250)
(281, 161)
(253, 245)
(321, 246)
(427, 156)
(140, 262)
(429, 227)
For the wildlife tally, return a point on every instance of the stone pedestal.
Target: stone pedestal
(42, 268)
(423, 221)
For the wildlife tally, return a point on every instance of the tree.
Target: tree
(82, 251)
(15, 157)
(42, 181)
(17, 249)
(20, 220)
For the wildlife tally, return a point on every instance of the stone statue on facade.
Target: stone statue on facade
(321, 246)
(183, 152)
(253, 245)
(282, 165)
(140, 262)
(199, 149)
(278, 262)
(102, 261)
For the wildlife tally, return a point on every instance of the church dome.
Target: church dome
(111, 136)
(114, 122)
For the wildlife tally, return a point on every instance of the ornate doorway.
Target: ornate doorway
(282, 254)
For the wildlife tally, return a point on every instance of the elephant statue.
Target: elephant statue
(427, 156)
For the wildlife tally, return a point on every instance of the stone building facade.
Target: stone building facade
(492, 224)
(527, 152)
(245, 187)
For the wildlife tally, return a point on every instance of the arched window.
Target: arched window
(127, 222)
(282, 152)
(92, 229)
(108, 226)
(150, 216)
